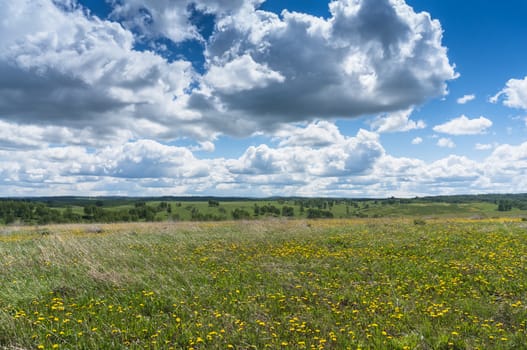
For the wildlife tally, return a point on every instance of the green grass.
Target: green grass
(330, 284)
(182, 210)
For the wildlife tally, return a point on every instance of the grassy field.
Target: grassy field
(182, 211)
(277, 284)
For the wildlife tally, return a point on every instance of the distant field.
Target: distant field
(182, 211)
(278, 284)
(49, 210)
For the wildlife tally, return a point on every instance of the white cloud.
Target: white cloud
(396, 122)
(173, 19)
(451, 171)
(417, 141)
(317, 134)
(350, 166)
(364, 59)
(204, 146)
(515, 93)
(63, 67)
(241, 74)
(345, 156)
(446, 143)
(483, 146)
(464, 126)
(66, 69)
(465, 99)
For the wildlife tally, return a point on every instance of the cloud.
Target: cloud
(464, 126)
(143, 159)
(483, 146)
(141, 167)
(241, 74)
(446, 143)
(63, 68)
(396, 122)
(349, 166)
(451, 170)
(15, 136)
(204, 146)
(465, 99)
(317, 134)
(175, 20)
(364, 59)
(515, 92)
(417, 141)
(345, 156)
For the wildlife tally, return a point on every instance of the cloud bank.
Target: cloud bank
(356, 165)
(112, 78)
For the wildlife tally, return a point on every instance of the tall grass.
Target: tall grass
(337, 284)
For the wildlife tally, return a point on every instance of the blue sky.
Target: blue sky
(348, 98)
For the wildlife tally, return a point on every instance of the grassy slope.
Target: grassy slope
(278, 284)
(370, 208)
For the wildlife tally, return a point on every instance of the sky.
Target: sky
(256, 98)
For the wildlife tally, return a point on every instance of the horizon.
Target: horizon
(365, 99)
(235, 198)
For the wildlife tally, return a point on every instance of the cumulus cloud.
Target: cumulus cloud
(317, 134)
(445, 142)
(349, 166)
(466, 98)
(396, 122)
(365, 59)
(204, 146)
(345, 156)
(240, 74)
(451, 170)
(417, 141)
(143, 159)
(483, 146)
(515, 94)
(175, 20)
(132, 167)
(464, 126)
(15, 136)
(62, 66)
(59, 66)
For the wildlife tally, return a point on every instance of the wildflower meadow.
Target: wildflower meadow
(271, 284)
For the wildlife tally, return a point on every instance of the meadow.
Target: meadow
(448, 283)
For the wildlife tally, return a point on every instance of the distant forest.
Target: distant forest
(47, 210)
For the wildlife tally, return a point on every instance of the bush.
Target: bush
(319, 214)
(239, 214)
